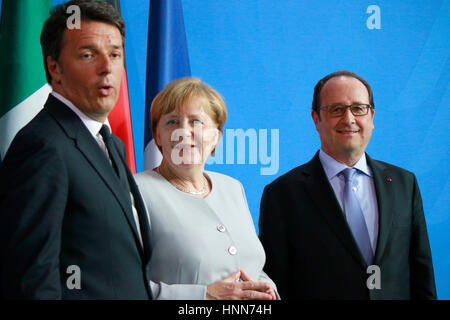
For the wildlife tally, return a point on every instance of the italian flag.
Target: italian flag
(23, 86)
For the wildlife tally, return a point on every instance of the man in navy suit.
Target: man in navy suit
(345, 226)
(73, 224)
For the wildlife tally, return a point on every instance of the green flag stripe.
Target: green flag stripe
(21, 64)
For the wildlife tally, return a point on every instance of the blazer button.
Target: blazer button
(221, 228)
(232, 250)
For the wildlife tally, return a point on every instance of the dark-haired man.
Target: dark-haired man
(74, 225)
(345, 226)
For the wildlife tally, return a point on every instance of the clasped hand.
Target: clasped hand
(240, 286)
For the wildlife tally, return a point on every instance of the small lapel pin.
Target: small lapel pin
(389, 179)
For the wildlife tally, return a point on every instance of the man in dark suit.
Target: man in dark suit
(345, 226)
(73, 224)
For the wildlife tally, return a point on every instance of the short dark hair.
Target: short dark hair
(318, 88)
(54, 27)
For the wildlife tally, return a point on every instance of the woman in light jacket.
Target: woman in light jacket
(204, 244)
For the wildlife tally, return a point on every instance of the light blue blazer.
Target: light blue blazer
(199, 241)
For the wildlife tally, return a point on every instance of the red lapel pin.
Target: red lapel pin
(389, 179)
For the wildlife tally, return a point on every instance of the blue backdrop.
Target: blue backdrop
(265, 57)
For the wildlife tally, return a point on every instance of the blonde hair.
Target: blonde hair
(179, 91)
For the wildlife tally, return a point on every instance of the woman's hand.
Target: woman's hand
(246, 277)
(232, 288)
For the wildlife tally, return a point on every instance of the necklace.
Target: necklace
(202, 191)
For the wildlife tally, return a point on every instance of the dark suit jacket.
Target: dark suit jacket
(61, 204)
(311, 252)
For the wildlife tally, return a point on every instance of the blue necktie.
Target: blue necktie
(355, 217)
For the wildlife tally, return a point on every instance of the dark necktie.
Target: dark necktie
(119, 167)
(116, 161)
(355, 217)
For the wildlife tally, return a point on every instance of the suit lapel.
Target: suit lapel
(142, 213)
(385, 193)
(138, 202)
(322, 194)
(87, 145)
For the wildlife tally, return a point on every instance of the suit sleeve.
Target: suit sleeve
(422, 275)
(33, 194)
(273, 235)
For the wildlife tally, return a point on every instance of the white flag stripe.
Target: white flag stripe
(16, 118)
(152, 156)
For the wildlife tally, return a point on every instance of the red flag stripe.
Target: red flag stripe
(120, 121)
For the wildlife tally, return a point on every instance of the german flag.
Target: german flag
(120, 117)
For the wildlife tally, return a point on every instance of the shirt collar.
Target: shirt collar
(332, 167)
(92, 125)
